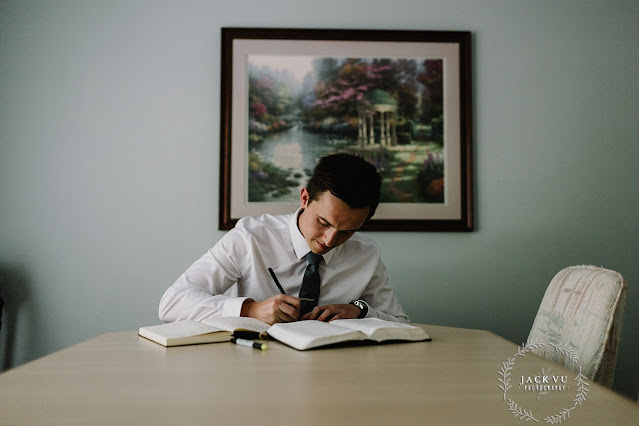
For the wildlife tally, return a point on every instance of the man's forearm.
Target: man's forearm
(180, 302)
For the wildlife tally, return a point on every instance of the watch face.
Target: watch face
(362, 307)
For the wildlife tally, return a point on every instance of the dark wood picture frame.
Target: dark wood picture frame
(239, 43)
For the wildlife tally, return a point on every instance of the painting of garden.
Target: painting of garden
(390, 111)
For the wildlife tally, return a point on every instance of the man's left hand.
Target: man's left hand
(332, 312)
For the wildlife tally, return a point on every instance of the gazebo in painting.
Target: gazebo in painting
(381, 105)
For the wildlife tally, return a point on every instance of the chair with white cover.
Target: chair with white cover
(578, 324)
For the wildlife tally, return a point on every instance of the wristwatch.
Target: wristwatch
(362, 306)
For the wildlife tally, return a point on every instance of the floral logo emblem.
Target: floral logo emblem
(543, 383)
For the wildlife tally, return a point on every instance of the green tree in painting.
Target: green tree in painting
(433, 96)
(269, 101)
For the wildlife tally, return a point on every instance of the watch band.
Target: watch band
(362, 306)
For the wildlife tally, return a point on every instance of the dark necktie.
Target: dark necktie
(311, 283)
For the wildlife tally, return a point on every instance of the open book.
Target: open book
(210, 330)
(304, 335)
(300, 335)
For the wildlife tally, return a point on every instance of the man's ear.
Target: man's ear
(304, 198)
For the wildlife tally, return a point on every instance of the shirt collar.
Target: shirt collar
(299, 242)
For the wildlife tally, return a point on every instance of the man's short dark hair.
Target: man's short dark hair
(348, 177)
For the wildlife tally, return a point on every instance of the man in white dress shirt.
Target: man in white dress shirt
(340, 197)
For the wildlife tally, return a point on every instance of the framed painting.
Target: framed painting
(400, 99)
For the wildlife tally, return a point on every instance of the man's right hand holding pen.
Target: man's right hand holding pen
(280, 308)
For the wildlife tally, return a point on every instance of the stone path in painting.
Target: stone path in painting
(401, 196)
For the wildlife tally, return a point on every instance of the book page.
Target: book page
(380, 330)
(237, 324)
(309, 334)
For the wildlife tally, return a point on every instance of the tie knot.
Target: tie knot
(312, 258)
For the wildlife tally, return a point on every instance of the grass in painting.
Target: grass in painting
(267, 180)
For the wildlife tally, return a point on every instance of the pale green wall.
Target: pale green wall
(109, 153)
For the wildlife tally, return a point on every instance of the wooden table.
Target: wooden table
(121, 378)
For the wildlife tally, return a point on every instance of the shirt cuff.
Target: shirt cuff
(233, 306)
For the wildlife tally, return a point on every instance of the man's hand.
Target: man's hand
(280, 308)
(332, 312)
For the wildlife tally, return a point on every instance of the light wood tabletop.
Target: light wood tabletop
(121, 378)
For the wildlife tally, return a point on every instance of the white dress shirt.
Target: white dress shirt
(242, 257)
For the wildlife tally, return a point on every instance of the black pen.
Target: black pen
(277, 283)
(279, 286)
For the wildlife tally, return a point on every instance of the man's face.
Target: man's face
(328, 221)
